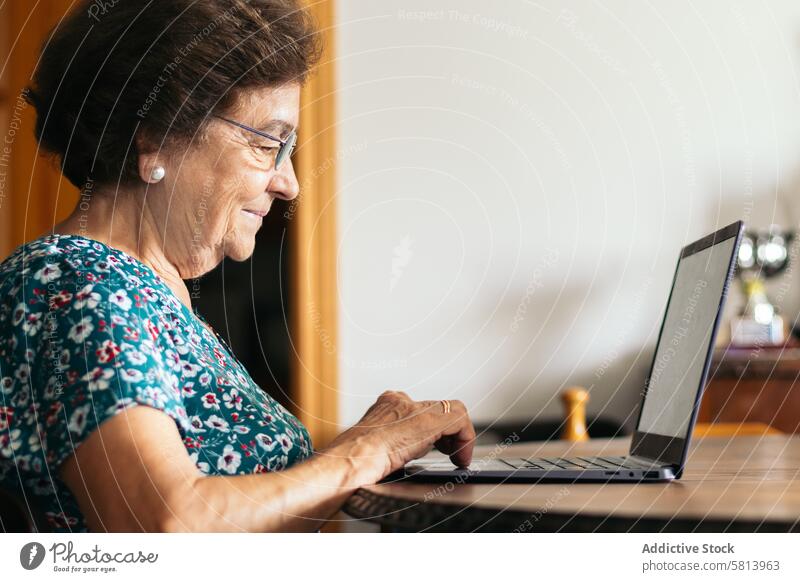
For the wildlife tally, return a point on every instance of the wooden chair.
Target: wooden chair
(576, 398)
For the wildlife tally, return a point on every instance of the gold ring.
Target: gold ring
(446, 406)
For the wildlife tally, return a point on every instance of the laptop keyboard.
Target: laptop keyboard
(577, 463)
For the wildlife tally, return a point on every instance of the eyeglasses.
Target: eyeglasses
(286, 147)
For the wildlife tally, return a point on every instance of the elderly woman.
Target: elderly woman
(122, 410)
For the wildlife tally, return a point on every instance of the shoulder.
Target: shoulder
(78, 286)
(59, 269)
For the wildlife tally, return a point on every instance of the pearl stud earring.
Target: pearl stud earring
(158, 173)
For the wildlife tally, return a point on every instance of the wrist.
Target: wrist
(367, 461)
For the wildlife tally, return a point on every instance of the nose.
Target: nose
(284, 182)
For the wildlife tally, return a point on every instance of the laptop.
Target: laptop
(671, 394)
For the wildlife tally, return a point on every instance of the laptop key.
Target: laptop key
(596, 462)
(573, 463)
(550, 464)
(612, 460)
(517, 463)
(590, 463)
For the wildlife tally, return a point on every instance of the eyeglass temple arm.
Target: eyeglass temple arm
(248, 128)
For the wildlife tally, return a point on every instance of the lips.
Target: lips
(259, 213)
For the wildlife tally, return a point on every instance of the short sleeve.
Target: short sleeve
(87, 345)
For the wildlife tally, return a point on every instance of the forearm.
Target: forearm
(298, 499)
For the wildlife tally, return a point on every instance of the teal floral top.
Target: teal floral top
(87, 331)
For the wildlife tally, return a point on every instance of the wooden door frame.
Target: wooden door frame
(37, 196)
(314, 295)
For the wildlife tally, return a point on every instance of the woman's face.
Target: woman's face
(219, 191)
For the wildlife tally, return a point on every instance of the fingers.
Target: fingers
(458, 435)
(394, 395)
(448, 427)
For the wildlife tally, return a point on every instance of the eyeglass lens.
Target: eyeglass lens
(286, 149)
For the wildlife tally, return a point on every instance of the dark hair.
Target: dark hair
(116, 69)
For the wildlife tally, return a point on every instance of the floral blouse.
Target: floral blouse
(87, 331)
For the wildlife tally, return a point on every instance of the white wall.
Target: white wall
(516, 179)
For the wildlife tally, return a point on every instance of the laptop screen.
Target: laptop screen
(684, 346)
(681, 354)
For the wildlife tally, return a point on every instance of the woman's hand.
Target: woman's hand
(397, 429)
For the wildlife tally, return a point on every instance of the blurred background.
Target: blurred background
(495, 197)
(517, 179)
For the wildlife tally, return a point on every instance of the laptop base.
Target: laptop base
(535, 470)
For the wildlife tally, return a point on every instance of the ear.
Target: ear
(148, 160)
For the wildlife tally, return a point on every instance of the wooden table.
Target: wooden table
(730, 484)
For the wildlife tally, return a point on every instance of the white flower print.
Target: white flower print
(10, 442)
(150, 294)
(19, 314)
(7, 385)
(285, 442)
(190, 369)
(98, 378)
(136, 357)
(172, 359)
(34, 442)
(217, 423)
(21, 399)
(169, 381)
(229, 460)
(197, 424)
(50, 325)
(60, 299)
(241, 429)
(202, 465)
(81, 330)
(107, 351)
(155, 395)
(232, 399)
(51, 387)
(205, 379)
(86, 298)
(266, 442)
(23, 373)
(120, 405)
(210, 401)
(33, 323)
(277, 463)
(147, 347)
(50, 272)
(132, 375)
(77, 422)
(120, 298)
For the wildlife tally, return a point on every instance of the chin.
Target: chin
(239, 249)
